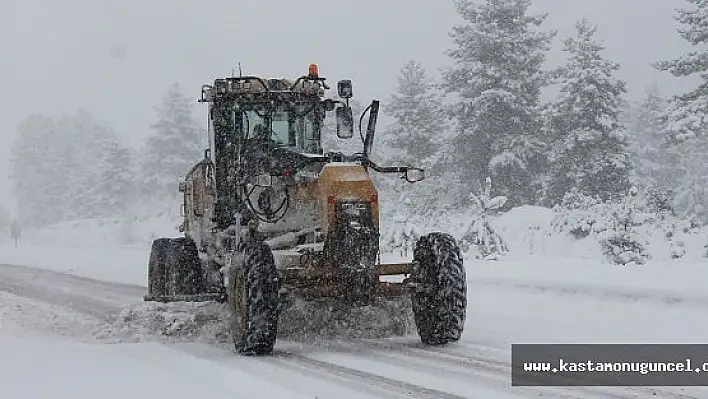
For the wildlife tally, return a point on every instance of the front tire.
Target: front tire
(440, 298)
(256, 301)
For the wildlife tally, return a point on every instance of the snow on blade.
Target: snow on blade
(177, 321)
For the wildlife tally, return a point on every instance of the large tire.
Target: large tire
(256, 301)
(440, 300)
(157, 268)
(175, 268)
(356, 258)
(186, 267)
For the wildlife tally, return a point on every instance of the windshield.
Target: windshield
(287, 129)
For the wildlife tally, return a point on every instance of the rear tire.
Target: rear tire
(174, 268)
(157, 267)
(262, 301)
(440, 301)
(186, 267)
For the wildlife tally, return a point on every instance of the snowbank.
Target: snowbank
(528, 231)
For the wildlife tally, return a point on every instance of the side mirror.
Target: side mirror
(182, 186)
(345, 123)
(344, 89)
(414, 175)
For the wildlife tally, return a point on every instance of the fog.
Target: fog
(116, 59)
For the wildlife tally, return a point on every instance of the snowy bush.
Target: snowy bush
(658, 202)
(622, 243)
(480, 233)
(617, 224)
(624, 247)
(579, 215)
(626, 224)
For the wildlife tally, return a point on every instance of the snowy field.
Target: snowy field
(59, 328)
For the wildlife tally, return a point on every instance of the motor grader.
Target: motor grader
(268, 216)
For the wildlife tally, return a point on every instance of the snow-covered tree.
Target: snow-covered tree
(33, 171)
(648, 142)
(498, 58)
(593, 153)
(419, 121)
(686, 117)
(83, 142)
(691, 190)
(416, 137)
(175, 146)
(56, 165)
(117, 179)
(688, 112)
(480, 232)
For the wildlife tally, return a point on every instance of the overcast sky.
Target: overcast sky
(116, 58)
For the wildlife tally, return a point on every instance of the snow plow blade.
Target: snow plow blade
(208, 297)
(327, 282)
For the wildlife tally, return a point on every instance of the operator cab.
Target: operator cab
(278, 111)
(285, 126)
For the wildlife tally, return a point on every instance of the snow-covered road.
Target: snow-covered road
(49, 320)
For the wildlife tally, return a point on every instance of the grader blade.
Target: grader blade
(208, 297)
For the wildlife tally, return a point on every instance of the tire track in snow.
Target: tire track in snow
(97, 298)
(48, 293)
(496, 373)
(307, 367)
(403, 388)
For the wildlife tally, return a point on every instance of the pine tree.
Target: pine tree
(419, 119)
(691, 190)
(174, 147)
(687, 113)
(117, 179)
(57, 167)
(416, 137)
(593, 156)
(84, 154)
(37, 171)
(654, 165)
(498, 56)
(685, 119)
